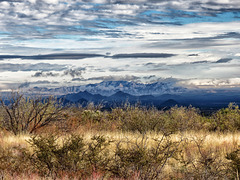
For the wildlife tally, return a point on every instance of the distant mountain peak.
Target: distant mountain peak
(108, 88)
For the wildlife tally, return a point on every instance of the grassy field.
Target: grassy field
(195, 155)
(42, 140)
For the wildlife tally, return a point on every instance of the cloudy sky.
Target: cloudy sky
(71, 42)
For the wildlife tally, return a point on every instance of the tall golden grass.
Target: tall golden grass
(182, 143)
(195, 147)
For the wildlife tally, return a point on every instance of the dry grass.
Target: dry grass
(225, 141)
(195, 147)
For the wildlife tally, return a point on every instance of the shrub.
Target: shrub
(52, 159)
(138, 158)
(97, 155)
(175, 119)
(91, 115)
(227, 119)
(14, 160)
(21, 115)
(140, 119)
(182, 118)
(199, 162)
(73, 158)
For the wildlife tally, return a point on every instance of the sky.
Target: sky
(51, 43)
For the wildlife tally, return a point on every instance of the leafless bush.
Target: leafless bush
(199, 162)
(21, 114)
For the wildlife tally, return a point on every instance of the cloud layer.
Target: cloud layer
(86, 41)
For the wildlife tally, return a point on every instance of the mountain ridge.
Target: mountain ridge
(108, 88)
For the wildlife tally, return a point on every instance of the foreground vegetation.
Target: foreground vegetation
(41, 139)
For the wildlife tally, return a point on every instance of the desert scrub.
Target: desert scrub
(141, 119)
(226, 119)
(74, 157)
(122, 155)
(135, 158)
(183, 119)
(52, 159)
(199, 161)
(20, 114)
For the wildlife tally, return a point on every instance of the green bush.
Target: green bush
(138, 159)
(51, 158)
(175, 119)
(227, 119)
(138, 119)
(74, 156)
(183, 118)
(97, 154)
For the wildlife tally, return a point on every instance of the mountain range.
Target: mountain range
(205, 102)
(108, 88)
(119, 98)
(158, 94)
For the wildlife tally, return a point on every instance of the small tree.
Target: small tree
(226, 119)
(21, 114)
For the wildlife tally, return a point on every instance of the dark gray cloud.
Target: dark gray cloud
(193, 55)
(149, 64)
(24, 85)
(77, 79)
(74, 72)
(31, 67)
(44, 82)
(211, 7)
(234, 35)
(28, 84)
(154, 64)
(143, 55)
(199, 62)
(52, 56)
(224, 60)
(197, 42)
(45, 74)
(158, 69)
(109, 78)
(83, 56)
(149, 77)
(116, 69)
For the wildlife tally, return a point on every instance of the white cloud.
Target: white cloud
(51, 1)
(32, 1)
(4, 5)
(220, 83)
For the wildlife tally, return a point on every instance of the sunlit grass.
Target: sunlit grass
(212, 144)
(228, 141)
(199, 144)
